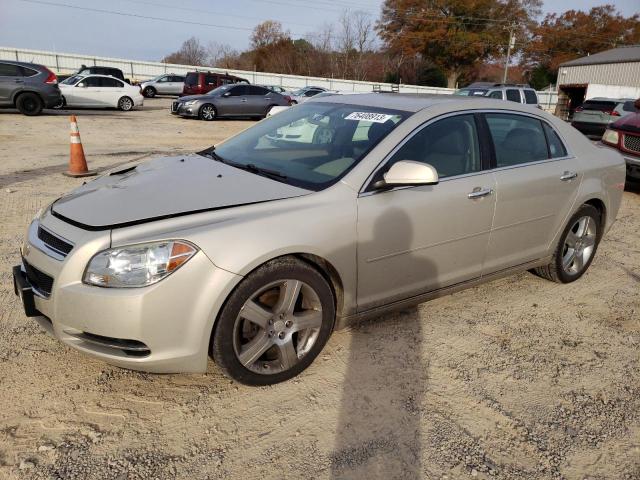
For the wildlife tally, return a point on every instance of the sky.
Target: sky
(49, 25)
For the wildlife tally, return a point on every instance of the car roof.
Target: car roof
(96, 75)
(414, 102)
(23, 64)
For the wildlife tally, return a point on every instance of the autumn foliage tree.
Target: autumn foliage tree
(453, 34)
(574, 34)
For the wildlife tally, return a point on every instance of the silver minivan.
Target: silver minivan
(254, 251)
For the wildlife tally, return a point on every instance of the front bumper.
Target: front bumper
(633, 165)
(179, 108)
(163, 328)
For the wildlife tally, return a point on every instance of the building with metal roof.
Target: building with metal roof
(613, 73)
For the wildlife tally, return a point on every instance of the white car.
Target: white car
(100, 91)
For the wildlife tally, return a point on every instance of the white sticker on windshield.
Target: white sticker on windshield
(369, 117)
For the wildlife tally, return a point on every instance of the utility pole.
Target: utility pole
(512, 44)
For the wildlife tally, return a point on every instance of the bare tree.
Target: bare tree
(221, 55)
(190, 53)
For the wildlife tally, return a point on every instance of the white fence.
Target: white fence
(65, 63)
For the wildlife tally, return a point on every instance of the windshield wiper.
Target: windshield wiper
(250, 167)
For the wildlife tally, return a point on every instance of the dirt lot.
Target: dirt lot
(517, 379)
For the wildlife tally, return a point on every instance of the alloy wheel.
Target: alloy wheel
(126, 104)
(208, 112)
(579, 245)
(277, 326)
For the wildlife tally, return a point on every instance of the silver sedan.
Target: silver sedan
(254, 251)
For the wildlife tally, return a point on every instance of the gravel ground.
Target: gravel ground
(517, 379)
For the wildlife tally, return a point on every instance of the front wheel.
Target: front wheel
(576, 248)
(274, 324)
(149, 92)
(125, 104)
(207, 112)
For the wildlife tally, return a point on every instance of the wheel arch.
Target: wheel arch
(599, 205)
(21, 92)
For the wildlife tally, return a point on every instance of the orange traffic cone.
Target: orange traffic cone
(77, 161)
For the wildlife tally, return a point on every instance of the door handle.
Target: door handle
(243, 100)
(479, 193)
(568, 176)
(17, 80)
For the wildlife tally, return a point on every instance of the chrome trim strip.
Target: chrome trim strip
(106, 344)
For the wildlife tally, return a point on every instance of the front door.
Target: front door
(418, 239)
(234, 101)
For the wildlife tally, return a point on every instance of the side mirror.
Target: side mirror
(82, 84)
(226, 94)
(408, 172)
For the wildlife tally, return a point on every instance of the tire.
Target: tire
(29, 104)
(207, 112)
(125, 104)
(583, 230)
(268, 110)
(62, 104)
(293, 102)
(283, 337)
(149, 92)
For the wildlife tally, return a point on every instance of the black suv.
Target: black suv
(28, 87)
(96, 70)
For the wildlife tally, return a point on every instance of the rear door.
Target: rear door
(111, 90)
(11, 80)
(258, 99)
(537, 182)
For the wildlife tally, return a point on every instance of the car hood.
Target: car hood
(163, 188)
(630, 123)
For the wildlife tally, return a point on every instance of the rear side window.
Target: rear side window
(449, 145)
(556, 147)
(177, 79)
(497, 94)
(191, 79)
(629, 107)
(513, 95)
(254, 90)
(91, 82)
(517, 139)
(111, 83)
(9, 70)
(210, 79)
(599, 105)
(530, 97)
(238, 91)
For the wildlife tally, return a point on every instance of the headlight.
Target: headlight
(191, 102)
(611, 136)
(137, 265)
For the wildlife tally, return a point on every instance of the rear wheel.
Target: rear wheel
(29, 104)
(268, 110)
(274, 324)
(207, 112)
(576, 248)
(149, 92)
(125, 104)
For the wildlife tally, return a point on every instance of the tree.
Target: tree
(267, 33)
(190, 53)
(575, 34)
(453, 34)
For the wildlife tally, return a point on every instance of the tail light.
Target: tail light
(614, 113)
(51, 77)
(579, 109)
(288, 99)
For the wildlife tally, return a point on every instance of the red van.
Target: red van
(197, 83)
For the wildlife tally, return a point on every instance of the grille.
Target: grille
(174, 107)
(632, 143)
(38, 280)
(54, 242)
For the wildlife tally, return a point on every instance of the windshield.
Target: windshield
(72, 80)
(471, 92)
(312, 145)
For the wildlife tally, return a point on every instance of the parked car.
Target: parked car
(518, 93)
(229, 101)
(624, 135)
(100, 91)
(303, 94)
(275, 88)
(98, 70)
(28, 87)
(594, 116)
(170, 84)
(256, 250)
(199, 83)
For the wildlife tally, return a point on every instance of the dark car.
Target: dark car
(97, 70)
(624, 135)
(594, 116)
(199, 83)
(28, 87)
(229, 101)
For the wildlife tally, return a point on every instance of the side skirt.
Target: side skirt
(347, 321)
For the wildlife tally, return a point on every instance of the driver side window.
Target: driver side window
(450, 146)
